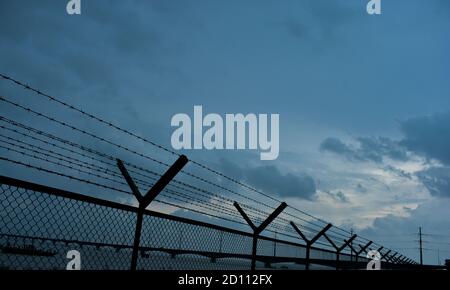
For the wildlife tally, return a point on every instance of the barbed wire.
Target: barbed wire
(110, 124)
(60, 174)
(111, 157)
(202, 204)
(186, 198)
(28, 165)
(65, 124)
(102, 169)
(336, 229)
(62, 165)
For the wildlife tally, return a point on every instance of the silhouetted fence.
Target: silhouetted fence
(40, 224)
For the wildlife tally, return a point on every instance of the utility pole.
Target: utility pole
(351, 245)
(420, 245)
(439, 259)
(275, 245)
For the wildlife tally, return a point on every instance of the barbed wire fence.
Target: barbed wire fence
(178, 216)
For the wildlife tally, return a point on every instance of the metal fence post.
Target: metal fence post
(379, 251)
(308, 242)
(260, 228)
(339, 249)
(362, 249)
(145, 200)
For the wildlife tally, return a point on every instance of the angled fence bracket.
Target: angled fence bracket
(362, 249)
(145, 200)
(386, 255)
(397, 259)
(392, 258)
(337, 248)
(308, 242)
(260, 228)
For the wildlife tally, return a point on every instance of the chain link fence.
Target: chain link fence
(40, 225)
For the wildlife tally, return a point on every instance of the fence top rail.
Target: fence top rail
(111, 204)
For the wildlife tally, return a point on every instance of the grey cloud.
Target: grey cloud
(271, 180)
(360, 188)
(319, 20)
(398, 172)
(376, 148)
(428, 136)
(432, 216)
(336, 146)
(338, 196)
(296, 29)
(436, 180)
(106, 45)
(369, 149)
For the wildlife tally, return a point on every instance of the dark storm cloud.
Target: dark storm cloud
(271, 180)
(369, 149)
(360, 188)
(428, 136)
(398, 171)
(436, 180)
(396, 231)
(375, 148)
(93, 48)
(319, 20)
(118, 57)
(335, 145)
(296, 29)
(338, 196)
(106, 60)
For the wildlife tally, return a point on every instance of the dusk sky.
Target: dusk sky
(364, 101)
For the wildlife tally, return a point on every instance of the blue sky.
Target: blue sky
(363, 100)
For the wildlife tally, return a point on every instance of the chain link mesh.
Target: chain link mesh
(38, 228)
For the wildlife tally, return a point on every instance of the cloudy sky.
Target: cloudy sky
(364, 101)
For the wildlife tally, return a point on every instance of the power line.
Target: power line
(420, 246)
